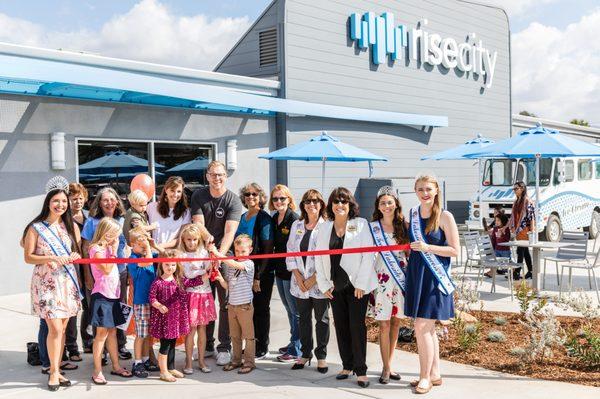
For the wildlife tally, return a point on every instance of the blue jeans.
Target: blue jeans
(42, 343)
(283, 287)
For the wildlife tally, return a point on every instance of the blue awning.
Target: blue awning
(30, 75)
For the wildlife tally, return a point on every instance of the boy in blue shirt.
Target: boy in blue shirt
(142, 275)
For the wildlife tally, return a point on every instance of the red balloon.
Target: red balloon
(143, 182)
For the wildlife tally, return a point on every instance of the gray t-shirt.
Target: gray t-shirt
(216, 211)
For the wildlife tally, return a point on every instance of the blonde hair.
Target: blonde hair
(138, 234)
(243, 239)
(105, 226)
(193, 230)
(214, 164)
(137, 197)
(436, 211)
(286, 191)
(172, 253)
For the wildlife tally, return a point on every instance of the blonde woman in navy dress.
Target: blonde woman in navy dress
(434, 240)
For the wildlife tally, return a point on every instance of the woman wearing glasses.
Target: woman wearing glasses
(282, 202)
(257, 224)
(347, 279)
(308, 298)
(521, 222)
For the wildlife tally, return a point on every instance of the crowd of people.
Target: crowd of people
(177, 299)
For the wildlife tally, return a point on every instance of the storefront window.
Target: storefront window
(114, 163)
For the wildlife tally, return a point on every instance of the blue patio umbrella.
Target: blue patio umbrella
(538, 142)
(323, 148)
(117, 162)
(460, 152)
(192, 167)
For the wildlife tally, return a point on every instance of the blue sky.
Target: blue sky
(555, 46)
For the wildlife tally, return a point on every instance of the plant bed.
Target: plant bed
(495, 354)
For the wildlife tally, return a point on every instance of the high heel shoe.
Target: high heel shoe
(64, 383)
(322, 369)
(52, 387)
(300, 366)
(363, 384)
(384, 380)
(343, 376)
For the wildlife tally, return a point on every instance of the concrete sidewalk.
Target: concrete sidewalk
(270, 380)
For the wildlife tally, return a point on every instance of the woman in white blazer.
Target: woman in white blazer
(303, 285)
(347, 279)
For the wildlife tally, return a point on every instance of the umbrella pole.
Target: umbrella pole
(480, 178)
(537, 191)
(323, 177)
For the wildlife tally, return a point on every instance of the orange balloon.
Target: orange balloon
(143, 182)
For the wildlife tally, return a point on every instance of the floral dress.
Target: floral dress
(53, 293)
(387, 300)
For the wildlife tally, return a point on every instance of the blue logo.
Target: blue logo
(381, 33)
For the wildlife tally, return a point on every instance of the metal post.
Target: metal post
(323, 178)
(480, 178)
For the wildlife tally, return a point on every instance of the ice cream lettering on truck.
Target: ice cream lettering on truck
(569, 192)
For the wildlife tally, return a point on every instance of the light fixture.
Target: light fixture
(57, 151)
(231, 154)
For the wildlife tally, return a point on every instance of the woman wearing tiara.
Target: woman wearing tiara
(51, 242)
(386, 303)
(428, 296)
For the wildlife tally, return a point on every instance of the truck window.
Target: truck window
(526, 171)
(569, 171)
(498, 172)
(585, 169)
(597, 163)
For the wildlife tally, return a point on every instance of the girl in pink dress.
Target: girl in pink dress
(169, 316)
(201, 303)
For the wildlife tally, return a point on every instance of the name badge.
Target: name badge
(351, 229)
(299, 232)
(285, 231)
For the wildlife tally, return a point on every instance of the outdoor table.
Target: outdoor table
(535, 256)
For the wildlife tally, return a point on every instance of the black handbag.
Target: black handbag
(33, 354)
(406, 334)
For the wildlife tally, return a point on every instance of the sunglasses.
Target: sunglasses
(248, 194)
(309, 201)
(279, 199)
(339, 201)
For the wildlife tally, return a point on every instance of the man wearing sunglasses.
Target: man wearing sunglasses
(219, 210)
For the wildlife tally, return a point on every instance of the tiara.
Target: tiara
(57, 183)
(387, 190)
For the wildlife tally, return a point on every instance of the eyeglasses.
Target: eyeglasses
(279, 199)
(340, 201)
(309, 201)
(217, 175)
(249, 194)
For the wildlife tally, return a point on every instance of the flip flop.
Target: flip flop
(68, 366)
(246, 369)
(231, 366)
(99, 379)
(123, 373)
(76, 357)
(47, 371)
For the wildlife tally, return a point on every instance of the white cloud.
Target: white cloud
(147, 32)
(556, 72)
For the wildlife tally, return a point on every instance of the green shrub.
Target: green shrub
(585, 347)
(500, 321)
(518, 352)
(496, 336)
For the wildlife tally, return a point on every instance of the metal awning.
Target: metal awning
(24, 71)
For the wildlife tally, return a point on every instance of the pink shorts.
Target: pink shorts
(202, 309)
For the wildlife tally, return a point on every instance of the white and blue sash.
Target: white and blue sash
(57, 246)
(391, 261)
(431, 260)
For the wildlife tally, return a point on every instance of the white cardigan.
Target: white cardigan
(360, 267)
(297, 231)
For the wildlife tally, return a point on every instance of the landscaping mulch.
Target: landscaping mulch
(496, 355)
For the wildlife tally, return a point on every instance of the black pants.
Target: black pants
(262, 312)
(305, 309)
(167, 347)
(71, 346)
(523, 253)
(224, 339)
(350, 329)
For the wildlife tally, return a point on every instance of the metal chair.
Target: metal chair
(585, 265)
(576, 251)
(470, 238)
(489, 259)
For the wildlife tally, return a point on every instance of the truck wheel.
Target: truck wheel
(594, 228)
(553, 229)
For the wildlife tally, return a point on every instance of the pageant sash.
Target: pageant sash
(391, 261)
(441, 274)
(57, 246)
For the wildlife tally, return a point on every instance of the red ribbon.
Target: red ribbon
(403, 247)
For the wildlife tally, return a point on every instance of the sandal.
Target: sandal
(68, 366)
(231, 366)
(99, 379)
(176, 373)
(421, 390)
(246, 369)
(75, 357)
(167, 377)
(435, 383)
(188, 371)
(123, 373)
(46, 370)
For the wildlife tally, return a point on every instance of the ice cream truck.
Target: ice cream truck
(569, 193)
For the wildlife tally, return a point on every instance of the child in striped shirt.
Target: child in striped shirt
(240, 276)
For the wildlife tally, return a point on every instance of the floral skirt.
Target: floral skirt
(202, 309)
(386, 301)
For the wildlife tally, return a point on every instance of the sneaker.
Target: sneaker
(124, 354)
(260, 355)
(207, 353)
(283, 350)
(528, 276)
(223, 358)
(150, 367)
(139, 370)
(286, 358)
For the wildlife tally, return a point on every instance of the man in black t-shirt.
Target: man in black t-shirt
(219, 210)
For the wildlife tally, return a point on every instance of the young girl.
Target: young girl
(499, 233)
(169, 316)
(105, 302)
(200, 300)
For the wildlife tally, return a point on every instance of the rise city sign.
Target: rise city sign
(387, 40)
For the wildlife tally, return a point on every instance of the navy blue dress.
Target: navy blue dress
(423, 298)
